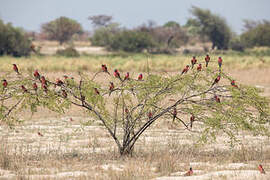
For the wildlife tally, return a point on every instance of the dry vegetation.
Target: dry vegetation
(68, 150)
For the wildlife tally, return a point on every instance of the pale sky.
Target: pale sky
(30, 14)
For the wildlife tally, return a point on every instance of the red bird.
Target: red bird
(216, 80)
(189, 173)
(150, 115)
(44, 86)
(64, 93)
(15, 68)
(5, 83)
(192, 119)
(140, 77)
(23, 88)
(65, 76)
(219, 62)
(43, 80)
(127, 76)
(217, 99)
(233, 84)
(96, 91)
(111, 86)
(193, 62)
(126, 111)
(199, 68)
(185, 70)
(174, 113)
(59, 82)
(36, 74)
(207, 59)
(39, 133)
(104, 68)
(117, 74)
(261, 169)
(35, 87)
(70, 119)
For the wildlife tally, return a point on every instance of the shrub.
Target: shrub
(13, 41)
(68, 52)
(131, 41)
(258, 35)
(237, 45)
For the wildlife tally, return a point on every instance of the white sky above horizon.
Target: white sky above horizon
(31, 14)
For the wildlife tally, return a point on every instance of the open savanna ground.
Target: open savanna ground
(68, 149)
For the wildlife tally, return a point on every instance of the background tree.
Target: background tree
(212, 26)
(256, 34)
(100, 20)
(13, 41)
(61, 29)
(127, 106)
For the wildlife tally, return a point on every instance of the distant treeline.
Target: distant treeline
(202, 27)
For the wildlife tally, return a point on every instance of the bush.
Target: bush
(13, 41)
(258, 35)
(131, 41)
(237, 45)
(68, 52)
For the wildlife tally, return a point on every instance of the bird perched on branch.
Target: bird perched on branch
(189, 173)
(150, 115)
(64, 93)
(39, 133)
(5, 83)
(261, 169)
(220, 62)
(24, 89)
(96, 91)
(43, 80)
(199, 68)
(233, 84)
(207, 60)
(117, 74)
(216, 80)
(193, 62)
(15, 68)
(217, 99)
(140, 77)
(127, 76)
(36, 74)
(35, 87)
(104, 68)
(111, 87)
(185, 70)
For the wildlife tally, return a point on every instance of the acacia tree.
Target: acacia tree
(127, 107)
(61, 29)
(212, 26)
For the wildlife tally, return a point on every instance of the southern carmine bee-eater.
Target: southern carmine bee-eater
(199, 68)
(64, 93)
(104, 68)
(219, 62)
(24, 88)
(111, 87)
(217, 99)
(150, 115)
(261, 169)
(117, 74)
(216, 80)
(189, 173)
(96, 91)
(43, 80)
(36, 74)
(44, 86)
(185, 70)
(59, 82)
(233, 84)
(15, 68)
(5, 83)
(140, 77)
(207, 60)
(127, 76)
(193, 62)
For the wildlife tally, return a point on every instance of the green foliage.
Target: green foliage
(237, 45)
(61, 29)
(13, 41)
(171, 24)
(131, 106)
(130, 41)
(257, 35)
(212, 26)
(68, 52)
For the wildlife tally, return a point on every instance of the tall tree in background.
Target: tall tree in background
(61, 29)
(212, 26)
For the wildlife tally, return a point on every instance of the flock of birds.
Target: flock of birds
(116, 74)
